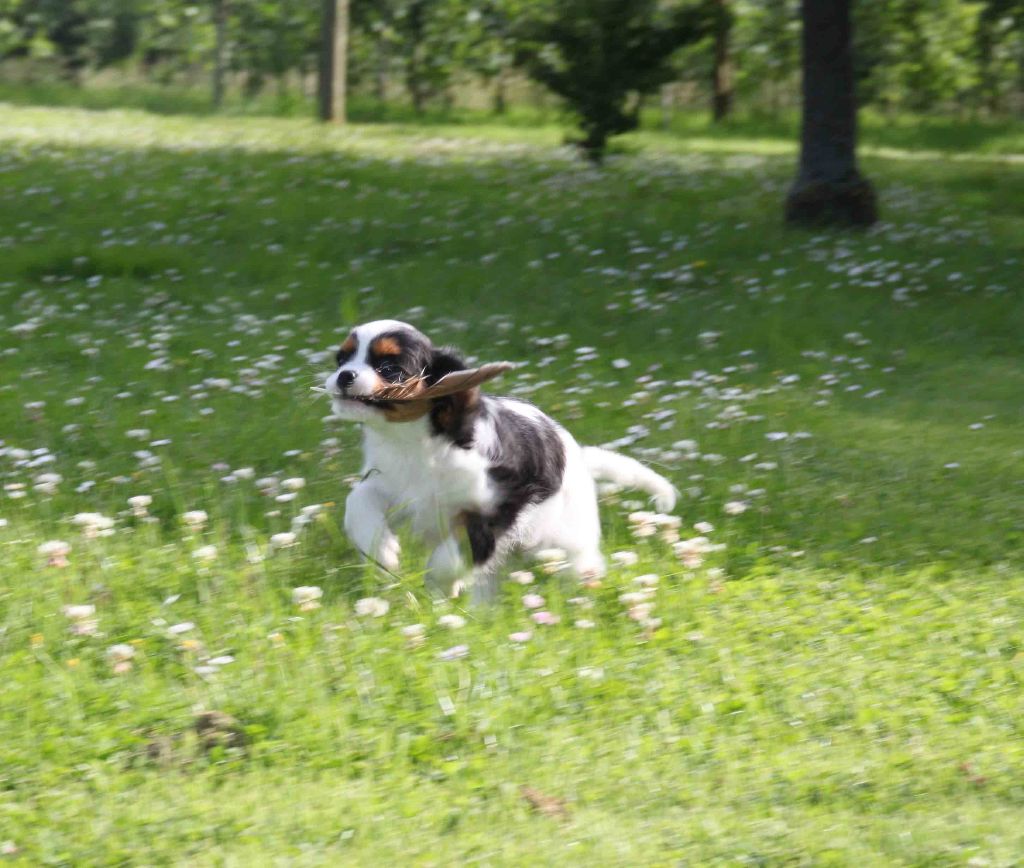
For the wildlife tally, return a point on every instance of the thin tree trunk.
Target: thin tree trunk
(667, 101)
(500, 103)
(380, 78)
(220, 29)
(333, 60)
(722, 74)
(829, 189)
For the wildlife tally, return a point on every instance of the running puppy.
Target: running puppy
(440, 455)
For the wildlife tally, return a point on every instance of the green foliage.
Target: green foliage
(920, 55)
(603, 56)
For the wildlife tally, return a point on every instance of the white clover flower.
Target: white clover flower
(552, 560)
(79, 613)
(648, 580)
(533, 601)
(283, 540)
(83, 622)
(244, 473)
(736, 507)
(121, 657)
(625, 558)
(140, 504)
(452, 622)
(520, 636)
(267, 484)
(183, 627)
(294, 483)
(414, 634)
(121, 652)
(194, 519)
(373, 607)
(521, 577)
(307, 597)
(691, 551)
(547, 556)
(205, 553)
(703, 527)
(641, 611)
(93, 524)
(55, 551)
(47, 483)
(456, 652)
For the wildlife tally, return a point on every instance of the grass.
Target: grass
(840, 684)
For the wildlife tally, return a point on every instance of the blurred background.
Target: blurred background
(446, 58)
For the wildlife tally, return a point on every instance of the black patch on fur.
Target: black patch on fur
(528, 462)
(413, 359)
(453, 416)
(482, 541)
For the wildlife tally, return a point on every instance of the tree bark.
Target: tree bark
(722, 75)
(333, 60)
(220, 28)
(829, 190)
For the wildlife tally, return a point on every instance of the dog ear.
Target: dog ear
(453, 415)
(444, 361)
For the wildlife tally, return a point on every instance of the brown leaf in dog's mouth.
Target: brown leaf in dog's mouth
(415, 389)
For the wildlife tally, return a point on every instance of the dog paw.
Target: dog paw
(389, 553)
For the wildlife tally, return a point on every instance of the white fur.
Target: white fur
(630, 473)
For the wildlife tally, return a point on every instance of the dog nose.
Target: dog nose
(346, 379)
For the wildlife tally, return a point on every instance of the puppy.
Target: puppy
(497, 467)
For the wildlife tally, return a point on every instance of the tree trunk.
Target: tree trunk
(721, 75)
(667, 102)
(220, 31)
(333, 60)
(828, 188)
(380, 72)
(500, 102)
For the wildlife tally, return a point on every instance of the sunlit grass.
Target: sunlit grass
(840, 682)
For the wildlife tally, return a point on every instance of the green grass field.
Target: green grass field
(838, 682)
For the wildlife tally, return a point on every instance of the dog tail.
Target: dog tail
(629, 473)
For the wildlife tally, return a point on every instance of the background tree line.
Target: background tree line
(918, 55)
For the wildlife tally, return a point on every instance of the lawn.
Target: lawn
(834, 677)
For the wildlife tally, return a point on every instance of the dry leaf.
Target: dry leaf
(549, 806)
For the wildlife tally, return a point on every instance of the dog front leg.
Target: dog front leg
(367, 527)
(445, 568)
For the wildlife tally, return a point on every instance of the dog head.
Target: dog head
(389, 371)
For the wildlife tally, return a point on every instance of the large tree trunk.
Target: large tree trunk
(828, 188)
(721, 76)
(333, 60)
(220, 30)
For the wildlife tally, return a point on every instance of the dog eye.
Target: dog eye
(389, 370)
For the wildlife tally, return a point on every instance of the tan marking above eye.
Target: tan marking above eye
(350, 344)
(386, 347)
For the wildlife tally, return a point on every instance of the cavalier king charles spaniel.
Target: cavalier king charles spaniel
(441, 456)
